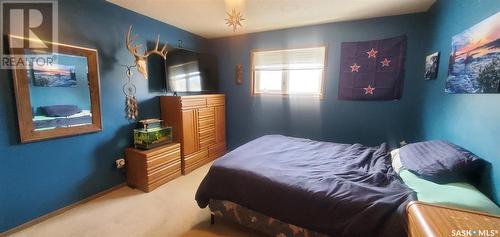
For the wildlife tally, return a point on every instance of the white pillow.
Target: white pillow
(396, 161)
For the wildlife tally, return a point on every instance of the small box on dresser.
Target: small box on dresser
(149, 169)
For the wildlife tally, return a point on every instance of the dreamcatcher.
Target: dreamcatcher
(129, 89)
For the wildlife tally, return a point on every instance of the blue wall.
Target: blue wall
(471, 121)
(41, 177)
(330, 119)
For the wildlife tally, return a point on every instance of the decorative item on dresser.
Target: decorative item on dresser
(147, 170)
(151, 134)
(429, 220)
(198, 123)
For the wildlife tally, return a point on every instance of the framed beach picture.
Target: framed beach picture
(474, 65)
(431, 66)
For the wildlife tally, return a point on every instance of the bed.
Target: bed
(320, 187)
(284, 186)
(43, 122)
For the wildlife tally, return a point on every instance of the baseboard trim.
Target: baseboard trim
(60, 211)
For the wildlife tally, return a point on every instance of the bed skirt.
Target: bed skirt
(257, 221)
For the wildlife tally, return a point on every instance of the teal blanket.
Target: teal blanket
(461, 195)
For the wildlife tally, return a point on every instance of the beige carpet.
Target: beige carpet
(168, 211)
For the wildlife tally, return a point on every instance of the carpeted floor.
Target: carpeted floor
(168, 211)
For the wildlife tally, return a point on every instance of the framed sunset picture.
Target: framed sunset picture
(474, 65)
(55, 75)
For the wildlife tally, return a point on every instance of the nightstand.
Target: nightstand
(428, 220)
(149, 169)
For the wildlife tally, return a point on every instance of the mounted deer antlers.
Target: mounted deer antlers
(140, 60)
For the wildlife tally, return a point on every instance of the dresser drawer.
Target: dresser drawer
(152, 186)
(159, 150)
(163, 158)
(195, 160)
(217, 150)
(193, 103)
(216, 100)
(190, 159)
(163, 171)
(148, 169)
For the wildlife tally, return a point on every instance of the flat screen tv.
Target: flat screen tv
(189, 71)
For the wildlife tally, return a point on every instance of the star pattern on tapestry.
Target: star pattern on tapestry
(386, 62)
(355, 67)
(369, 90)
(372, 53)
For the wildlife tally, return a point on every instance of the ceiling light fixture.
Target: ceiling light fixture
(234, 19)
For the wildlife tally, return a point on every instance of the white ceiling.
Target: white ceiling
(206, 17)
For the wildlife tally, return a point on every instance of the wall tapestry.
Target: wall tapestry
(474, 65)
(372, 70)
(431, 66)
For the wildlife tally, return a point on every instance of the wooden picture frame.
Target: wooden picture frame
(23, 101)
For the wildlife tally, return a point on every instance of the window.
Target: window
(288, 72)
(185, 77)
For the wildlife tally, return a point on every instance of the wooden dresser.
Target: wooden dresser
(149, 169)
(429, 220)
(198, 123)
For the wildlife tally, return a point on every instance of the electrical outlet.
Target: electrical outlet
(120, 163)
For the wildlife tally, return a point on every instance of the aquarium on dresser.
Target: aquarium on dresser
(150, 133)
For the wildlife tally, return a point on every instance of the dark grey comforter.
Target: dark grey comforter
(58, 122)
(335, 189)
